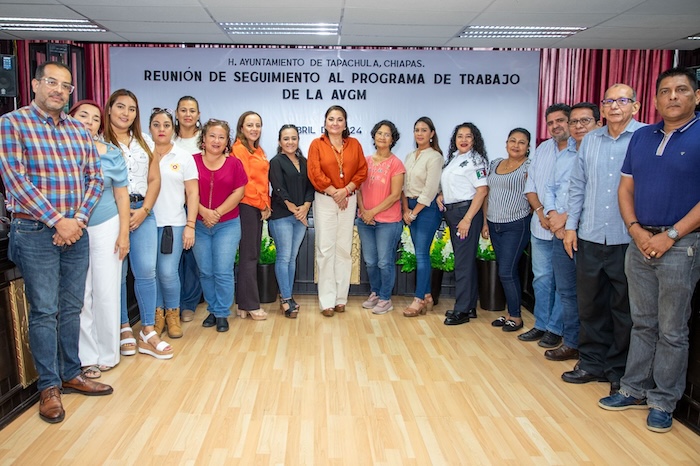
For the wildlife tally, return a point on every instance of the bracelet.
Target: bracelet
(541, 207)
(412, 216)
(632, 224)
(190, 221)
(347, 191)
(147, 210)
(189, 226)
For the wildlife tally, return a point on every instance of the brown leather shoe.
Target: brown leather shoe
(85, 386)
(340, 308)
(561, 354)
(50, 406)
(328, 312)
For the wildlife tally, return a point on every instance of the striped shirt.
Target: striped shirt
(51, 170)
(507, 203)
(593, 207)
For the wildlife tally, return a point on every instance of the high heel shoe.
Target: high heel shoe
(258, 314)
(292, 308)
(241, 313)
(416, 308)
(429, 302)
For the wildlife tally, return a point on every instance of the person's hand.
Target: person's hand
(338, 195)
(570, 242)
(439, 200)
(463, 228)
(407, 217)
(188, 237)
(367, 216)
(137, 218)
(560, 233)
(69, 230)
(121, 246)
(210, 217)
(652, 246)
(557, 221)
(265, 213)
(343, 204)
(485, 231)
(301, 212)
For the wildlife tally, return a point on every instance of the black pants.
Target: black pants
(604, 309)
(247, 295)
(465, 257)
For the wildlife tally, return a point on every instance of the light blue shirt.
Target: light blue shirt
(593, 207)
(556, 194)
(538, 174)
(115, 174)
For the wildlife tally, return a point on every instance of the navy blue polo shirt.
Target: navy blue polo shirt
(666, 172)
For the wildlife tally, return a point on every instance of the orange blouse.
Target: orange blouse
(257, 167)
(323, 164)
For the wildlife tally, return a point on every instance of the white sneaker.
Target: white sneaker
(383, 306)
(371, 301)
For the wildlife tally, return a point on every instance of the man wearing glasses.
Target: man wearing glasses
(52, 177)
(583, 118)
(601, 242)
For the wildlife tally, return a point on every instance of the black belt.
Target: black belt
(657, 230)
(135, 198)
(330, 195)
(457, 205)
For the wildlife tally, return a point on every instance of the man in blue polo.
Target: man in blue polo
(660, 204)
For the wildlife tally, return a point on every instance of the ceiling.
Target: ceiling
(624, 24)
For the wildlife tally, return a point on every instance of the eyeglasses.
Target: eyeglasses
(53, 84)
(621, 102)
(162, 110)
(584, 121)
(382, 135)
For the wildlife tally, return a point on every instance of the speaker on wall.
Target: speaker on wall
(8, 76)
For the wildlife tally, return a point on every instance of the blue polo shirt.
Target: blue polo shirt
(666, 170)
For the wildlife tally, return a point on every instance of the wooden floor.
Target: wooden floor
(355, 389)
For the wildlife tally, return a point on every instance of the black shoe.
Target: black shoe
(549, 340)
(533, 334)
(511, 326)
(456, 318)
(449, 313)
(579, 375)
(614, 387)
(210, 321)
(472, 313)
(221, 324)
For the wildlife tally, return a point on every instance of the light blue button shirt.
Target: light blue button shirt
(595, 177)
(556, 194)
(541, 168)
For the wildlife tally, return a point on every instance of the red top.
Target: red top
(215, 186)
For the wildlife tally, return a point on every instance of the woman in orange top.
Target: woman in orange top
(336, 168)
(254, 208)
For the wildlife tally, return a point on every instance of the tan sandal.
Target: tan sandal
(92, 372)
(160, 351)
(241, 313)
(416, 308)
(127, 346)
(259, 314)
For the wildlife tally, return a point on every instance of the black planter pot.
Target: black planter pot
(491, 295)
(436, 284)
(267, 283)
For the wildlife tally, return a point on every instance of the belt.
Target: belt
(135, 198)
(657, 230)
(330, 195)
(24, 216)
(457, 205)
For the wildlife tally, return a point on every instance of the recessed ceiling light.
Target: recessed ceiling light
(518, 32)
(319, 29)
(49, 24)
(694, 37)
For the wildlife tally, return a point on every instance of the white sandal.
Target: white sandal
(159, 351)
(127, 346)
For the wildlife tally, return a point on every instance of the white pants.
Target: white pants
(100, 316)
(334, 229)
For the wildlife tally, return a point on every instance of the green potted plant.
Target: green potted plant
(267, 281)
(491, 295)
(442, 259)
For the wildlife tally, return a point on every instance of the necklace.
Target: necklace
(339, 159)
(161, 155)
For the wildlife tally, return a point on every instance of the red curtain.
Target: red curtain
(577, 75)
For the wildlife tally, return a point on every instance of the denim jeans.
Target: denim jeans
(288, 233)
(379, 244)
(54, 284)
(565, 279)
(423, 230)
(190, 288)
(509, 240)
(167, 268)
(660, 290)
(142, 258)
(548, 312)
(215, 250)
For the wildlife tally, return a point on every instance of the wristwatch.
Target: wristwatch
(673, 234)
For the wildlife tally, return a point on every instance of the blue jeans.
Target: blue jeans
(142, 258)
(379, 242)
(660, 291)
(190, 288)
(167, 267)
(509, 240)
(423, 230)
(215, 250)
(548, 312)
(288, 233)
(54, 284)
(565, 278)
